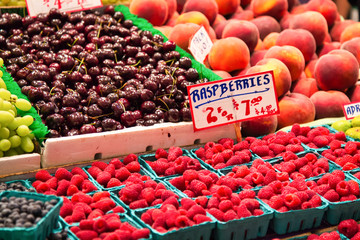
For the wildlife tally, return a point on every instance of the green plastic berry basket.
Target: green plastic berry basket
(245, 228)
(123, 218)
(202, 231)
(43, 228)
(320, 152)
(25, 183)
(115, 194)
(151, 157)
(338, 211)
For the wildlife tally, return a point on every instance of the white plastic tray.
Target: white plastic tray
(88, 147)
(19, 164)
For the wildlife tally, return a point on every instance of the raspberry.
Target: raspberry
(103, 178)
(86, 224)
(322, 163)
(105, 204)
(288, 190)
(182, 221)
(130, 158)
(228, 181)
(332, 196)
(306, 205)
(299, 184)
(159, 166)
(62, 188)
(354, 187)
(282, 176)
(270, 177)
(302, 195)
(173, 153)
(190, 175)
(76, 180)
(350, 197)
(99, 164)
(122, 174)
(194, 210)
(261, 151)
(197, 187)
(66, 210)
(142, 203)
(343, 188)
(213, 203)
(178, 182)
(306, 171)
(117, 163)
(348, 227)
(250, 204)
(241, 146)
(200, 153)
(62, 173)
(227, 154)
(113, 182)
(100, 225)
(225, 205)
(277, 148)
(88, 186)
(288, 167)
(351, 148)
(234, 160)
(266, 192)
(133, 167)
(86, 234)
(217, 158)
(43, 175)
(199, 218)
(242, 171)
(292, 201)
(202, 201)
(187, 203)
(110, 169)
(340, 136)
(276, 202)
(142, 233)
(78, 214)
(356, 236)
(295, 129)
(72, 189)
(218, 214)
(243, 212)
(161, 153)
(320, 141)
(94, 171)
(95, 214)
(52, 182)
(287, 156)
(315, 201)
(230, 215)
(206, 179)
(295, 148)
(166, 194)
(118, 209)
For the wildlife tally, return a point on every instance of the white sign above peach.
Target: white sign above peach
(351, 110)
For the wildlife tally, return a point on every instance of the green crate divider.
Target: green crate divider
(245, 228)
(143, 24)
(43, 228)
(115, 194)
(37, 127)
(151, 157)
(202, 231)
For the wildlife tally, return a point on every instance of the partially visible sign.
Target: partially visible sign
(232, 100)
(200, 45)
(43, 6)
(351, 110)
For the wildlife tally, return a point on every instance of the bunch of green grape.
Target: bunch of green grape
(15, 135)
(109, 2)
(13, 3)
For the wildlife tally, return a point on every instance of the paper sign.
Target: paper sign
(232, 100)
(351, 110)
(200, 45)
(43, 6)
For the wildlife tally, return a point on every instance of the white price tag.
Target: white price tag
(200, 45)
(351, 110)
(43, 6)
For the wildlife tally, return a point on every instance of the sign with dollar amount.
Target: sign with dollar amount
(351, 110)
(232, 100)
(43, 6)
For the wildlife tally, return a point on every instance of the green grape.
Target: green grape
(23, 104)
(6, 105)
(2, 83)
(15, 141)
(13, 97)
(26, 120)
(12, 133)
(26, 144)
(11, 152)
(1, 60)
(19, 150)
(23, 130)
(5, 144)
(6, 118)
(14, 124)
(31, 136)
(12, 112)
(5, 94)
(4, 133)
(1, 153)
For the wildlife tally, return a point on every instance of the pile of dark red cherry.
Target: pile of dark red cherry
(92, 72)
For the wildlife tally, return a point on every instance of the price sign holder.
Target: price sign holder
(35, 7)
(233, 100)
(200, 45)
(351, 110)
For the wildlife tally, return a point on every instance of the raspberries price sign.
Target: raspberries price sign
(233, 100)
(43, 6)
(351, 110)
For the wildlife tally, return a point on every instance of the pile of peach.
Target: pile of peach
(314, 54)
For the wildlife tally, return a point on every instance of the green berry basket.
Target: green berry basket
(338, 211)
(43, 228)
(202, 231)
(151, 157)
(245, 228)
(123, 218)
(24, 183)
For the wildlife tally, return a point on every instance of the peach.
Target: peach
(194, 17)
(354, 93)
(180, 5)
(329, 103)
(326, 7)
(295, 108)
(219, 19)
(350, 32)
(212, 34)
(181, 33)
(337, 70)
(245, 3)
(227, 7)
(338, 28)
(259, 45)
(257, 56)
(292, 4)
(312, 21)
(353, 46)
(259, 126)
(270, 40)
(291, 57)
(266, 25)
(282, 77)
(328, 47)
(306, 86)
(172, 6)
(244, 15)
(219, 28)
(273, 8)
(299, 38)
(298, 9)
(172, 20)
(166, 30)
(155, 11)
(207, 7)
(243, 30)
(285, 21)
(229, 54)
(222, 74)
(310, 68)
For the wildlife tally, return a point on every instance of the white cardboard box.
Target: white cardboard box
(19, 163)
(88, 147)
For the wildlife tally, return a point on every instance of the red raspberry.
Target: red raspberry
(88, 186)
(340, 136)
(351, 148)
(200, 153)
(243, 212)
(306, 171)
(295, 148)
(113, 182)
(348, 227)
(197, 187)
(133, 166)
(332, 196)
(122, 174)
(110, 169)
(241, 146)
(320, 141)
(230, 215)
(94, 171)
(270, 177)
(86, 234)
(179, 183)
(161, 153)
(218, 214)
(225, 205)
(354, 187)
(343, 188)
(43, 175)
(77, 180)
(117, 163)
(159, 166)
(142, 203)
(199, 218)
(292, 201)
(103, 178)
(261, 151)
(194, 210)
(62, 188)
(174, 153)
(130, 158)
(276, 202)
(62, 173)
(142, 233)
(265, 192)
(99, 164)
(182, 221)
